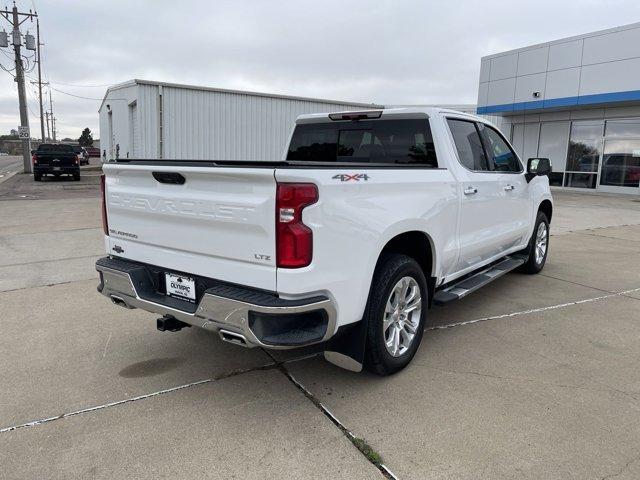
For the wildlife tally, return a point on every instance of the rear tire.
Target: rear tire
(395, 314)
(37, 177)
(538, 247)
(76, 177)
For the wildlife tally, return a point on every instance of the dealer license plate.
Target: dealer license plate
(179, 286)
(56, 169)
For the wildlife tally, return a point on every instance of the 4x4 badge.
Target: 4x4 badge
(351, 177)
(118, 249)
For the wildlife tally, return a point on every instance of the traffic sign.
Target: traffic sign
(23, 132)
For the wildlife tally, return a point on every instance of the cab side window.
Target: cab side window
(501, 157)
(468, 144)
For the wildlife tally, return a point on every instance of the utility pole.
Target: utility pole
(40, 79)
(53, 120)
(13, 17)
(46, 114)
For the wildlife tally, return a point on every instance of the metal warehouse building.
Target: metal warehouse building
(574, 100)
(146, 119)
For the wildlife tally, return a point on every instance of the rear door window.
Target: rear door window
(367, 141)
(468, 144)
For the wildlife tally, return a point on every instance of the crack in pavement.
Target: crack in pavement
(55, 284)
(531, 380)
(535, 310)
(82, 411)
(624, 294)
(222, 376)
(622, 469)
(355, 441)
(607, 236)
(97, 255)
(575, 283)
(584, 375)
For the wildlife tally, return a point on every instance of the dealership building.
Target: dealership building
(575, 101)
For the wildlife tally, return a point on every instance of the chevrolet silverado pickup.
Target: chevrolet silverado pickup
(55, 159)
(368, 220)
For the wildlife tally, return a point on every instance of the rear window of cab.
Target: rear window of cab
(386, 142)
(53, 147)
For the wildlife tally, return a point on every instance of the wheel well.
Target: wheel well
(546, 208)
(417, 246)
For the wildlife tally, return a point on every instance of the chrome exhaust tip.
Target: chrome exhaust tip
(119, 301)
(233, 337)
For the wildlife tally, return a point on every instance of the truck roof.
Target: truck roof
(387, 112)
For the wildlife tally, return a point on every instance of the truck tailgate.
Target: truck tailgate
(218, 223)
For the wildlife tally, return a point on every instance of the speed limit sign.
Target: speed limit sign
(23, 132)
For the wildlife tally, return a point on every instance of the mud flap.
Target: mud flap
(346, 348)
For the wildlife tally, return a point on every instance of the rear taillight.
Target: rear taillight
(34, 159)
(294, 240)
(103, 196)
(76, 159)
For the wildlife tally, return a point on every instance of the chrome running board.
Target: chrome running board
(477, 280)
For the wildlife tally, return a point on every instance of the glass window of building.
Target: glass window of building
(621, 163)
(585, 143)
(623, 128)
(554, 138)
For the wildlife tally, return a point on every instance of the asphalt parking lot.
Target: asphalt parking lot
(532, 377)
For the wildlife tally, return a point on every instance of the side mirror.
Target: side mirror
(537, 167)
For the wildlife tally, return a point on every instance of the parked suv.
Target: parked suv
(369, 219)
(82, 154)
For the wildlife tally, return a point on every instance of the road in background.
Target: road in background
(9, 166)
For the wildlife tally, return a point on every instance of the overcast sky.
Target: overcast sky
(383, 51)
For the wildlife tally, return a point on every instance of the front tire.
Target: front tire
(538, 247)
(395, 314)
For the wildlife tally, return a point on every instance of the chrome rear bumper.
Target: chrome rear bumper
(224, 308)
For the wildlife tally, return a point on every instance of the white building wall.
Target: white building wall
(232, 126)
(116, 105)
(148, 101)
(204, 124)
(587, 69)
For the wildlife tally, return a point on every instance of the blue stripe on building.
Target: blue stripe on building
(599, 98)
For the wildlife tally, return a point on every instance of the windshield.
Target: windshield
(365, 141)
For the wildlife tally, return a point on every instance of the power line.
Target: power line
(8, 70)
(76, 96)
(82, 86)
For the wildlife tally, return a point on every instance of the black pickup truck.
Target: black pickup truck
(55, 159)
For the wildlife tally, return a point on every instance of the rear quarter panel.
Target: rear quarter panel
(354, 219)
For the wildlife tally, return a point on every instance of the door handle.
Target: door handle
(508, 188)
(470, 191)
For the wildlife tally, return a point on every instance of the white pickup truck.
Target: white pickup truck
(370, 219)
